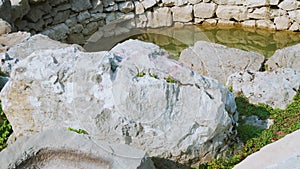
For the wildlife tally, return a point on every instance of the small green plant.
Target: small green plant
(79, 131)
(5, 129)
(169, 79)
(286, 121)
(153, 75)
(140, 74)
(230, 88)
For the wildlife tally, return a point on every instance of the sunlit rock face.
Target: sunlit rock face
(132, 94)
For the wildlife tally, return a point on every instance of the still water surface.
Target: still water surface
(176, 39)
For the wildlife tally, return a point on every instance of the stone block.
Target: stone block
(204, 10)
(183, 13)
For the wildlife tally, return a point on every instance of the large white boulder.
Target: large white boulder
(133, 94)
(275, 89)
(60, 148)
(288, 57)
(218, 61)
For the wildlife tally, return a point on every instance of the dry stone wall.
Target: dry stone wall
(75, 21)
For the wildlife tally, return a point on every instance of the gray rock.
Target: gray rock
(5, 10)
(275, 89)
(81, 5)
(37, 26)
(61, 17)
(58, 32)
(76, 38)
(60, 148)
(278, 155)
(4, 27)
(56, 2)
(19, 8)
(34, 14)
(285, 58)
(76, 28)
(218, 61)
(90, 28)
(82, 16)
(168, 114)
(126, 6)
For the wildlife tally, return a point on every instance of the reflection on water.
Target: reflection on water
(175, 40)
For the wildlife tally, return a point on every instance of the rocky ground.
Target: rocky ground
(132, 97)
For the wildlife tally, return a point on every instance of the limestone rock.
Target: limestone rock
(205, 10)
(126, 6)
(255, 3)
(159, 18)
(174, 2)
(294, 15)
(32, 44)
(218, 61)
(81, 5)
(168, 112)
(148, 3)
(295, 27)
(229, 2)
(282, 22)
(249, 23)
(287, 58)
(266, 157)
(15, 38)
(60, 148)
(4, 27)
(265, 24)
(275, 89)
(139, 8)
(227, 12)
(183, 13)
(259, 13)
(289, 5)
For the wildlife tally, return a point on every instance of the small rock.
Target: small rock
(81, 5)
(205, 10)
(285, 58)
(126, 6)
(289, 5)
(148, 3)
(83, 16)
(275, 89)
(4, 27)
(183, 13)
(282, 22)
(239, 13)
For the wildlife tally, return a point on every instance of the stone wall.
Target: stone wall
(75, 21)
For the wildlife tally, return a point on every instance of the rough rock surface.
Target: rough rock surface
(218, 61)
(275, 89)
(288, 57)
(170, 111)
(60, 148)
(4, 27)
(283, 153)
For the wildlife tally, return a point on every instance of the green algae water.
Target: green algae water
(265, 42)
(177, 38)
